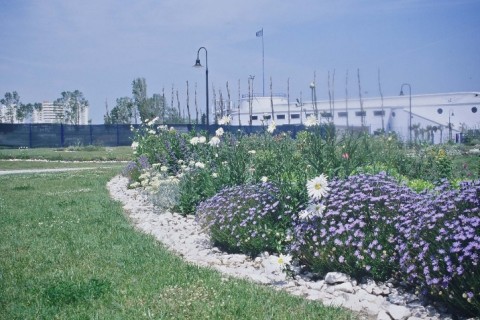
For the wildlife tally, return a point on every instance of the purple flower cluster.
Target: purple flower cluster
(356, 233)
(133, 169)
(143, 162)
(245, 218)
(373, 226)
(130, 168)
(438, 243)
(172, 146)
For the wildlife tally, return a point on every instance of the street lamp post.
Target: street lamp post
(410, 110)
(199, 65)
(450, 114)
(314, 99)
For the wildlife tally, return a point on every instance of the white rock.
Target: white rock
(318, 285)
(352, 302)
(383, 315)
(377, 291)
(314, 295)
(370, 307)
(330, 289)
(336, 302)
(336, 277)
(365, 296)
(260, 279)
(398, 312)
(344, 287)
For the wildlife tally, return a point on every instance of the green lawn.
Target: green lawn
(23, 165)
(68, 252)
(88, 153)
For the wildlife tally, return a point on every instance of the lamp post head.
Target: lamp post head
(401, 92)
(197, 64)
(312, 85)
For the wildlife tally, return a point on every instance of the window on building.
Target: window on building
(280, 116)
(474, 109)
(308, 114)
(267, 117)
(360, 113)
(254, 117)
(379, 113)
(295, 116)
(343, 114)
(326, 114)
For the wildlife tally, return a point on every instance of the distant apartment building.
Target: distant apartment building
(51, 113)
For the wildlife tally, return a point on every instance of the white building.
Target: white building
(431, 114)
(51, 113)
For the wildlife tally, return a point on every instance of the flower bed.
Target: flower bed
(269, 192)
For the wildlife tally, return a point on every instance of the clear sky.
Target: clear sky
(100, 46)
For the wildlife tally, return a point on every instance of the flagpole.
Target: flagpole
(260, 34)
(263, 64)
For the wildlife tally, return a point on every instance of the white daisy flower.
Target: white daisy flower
(200, 165)
(271, 127)
(194, 140)
(282, 260)
(318, 187)
(316, 209)
(214, 141)
(311, 121)
(304, 214)
(224, 120)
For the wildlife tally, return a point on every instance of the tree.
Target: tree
(70, 106)
(140, 100)
(16, 111)
(122, 113)
(26, 110)
(11, 102)
(157, 106)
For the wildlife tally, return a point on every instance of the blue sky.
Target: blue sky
(99, 47)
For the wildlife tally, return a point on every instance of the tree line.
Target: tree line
(140, 107)
(15, 110)
(68, 108)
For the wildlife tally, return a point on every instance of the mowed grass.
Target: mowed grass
(67, 251)
(27, 164)
(87, 153)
